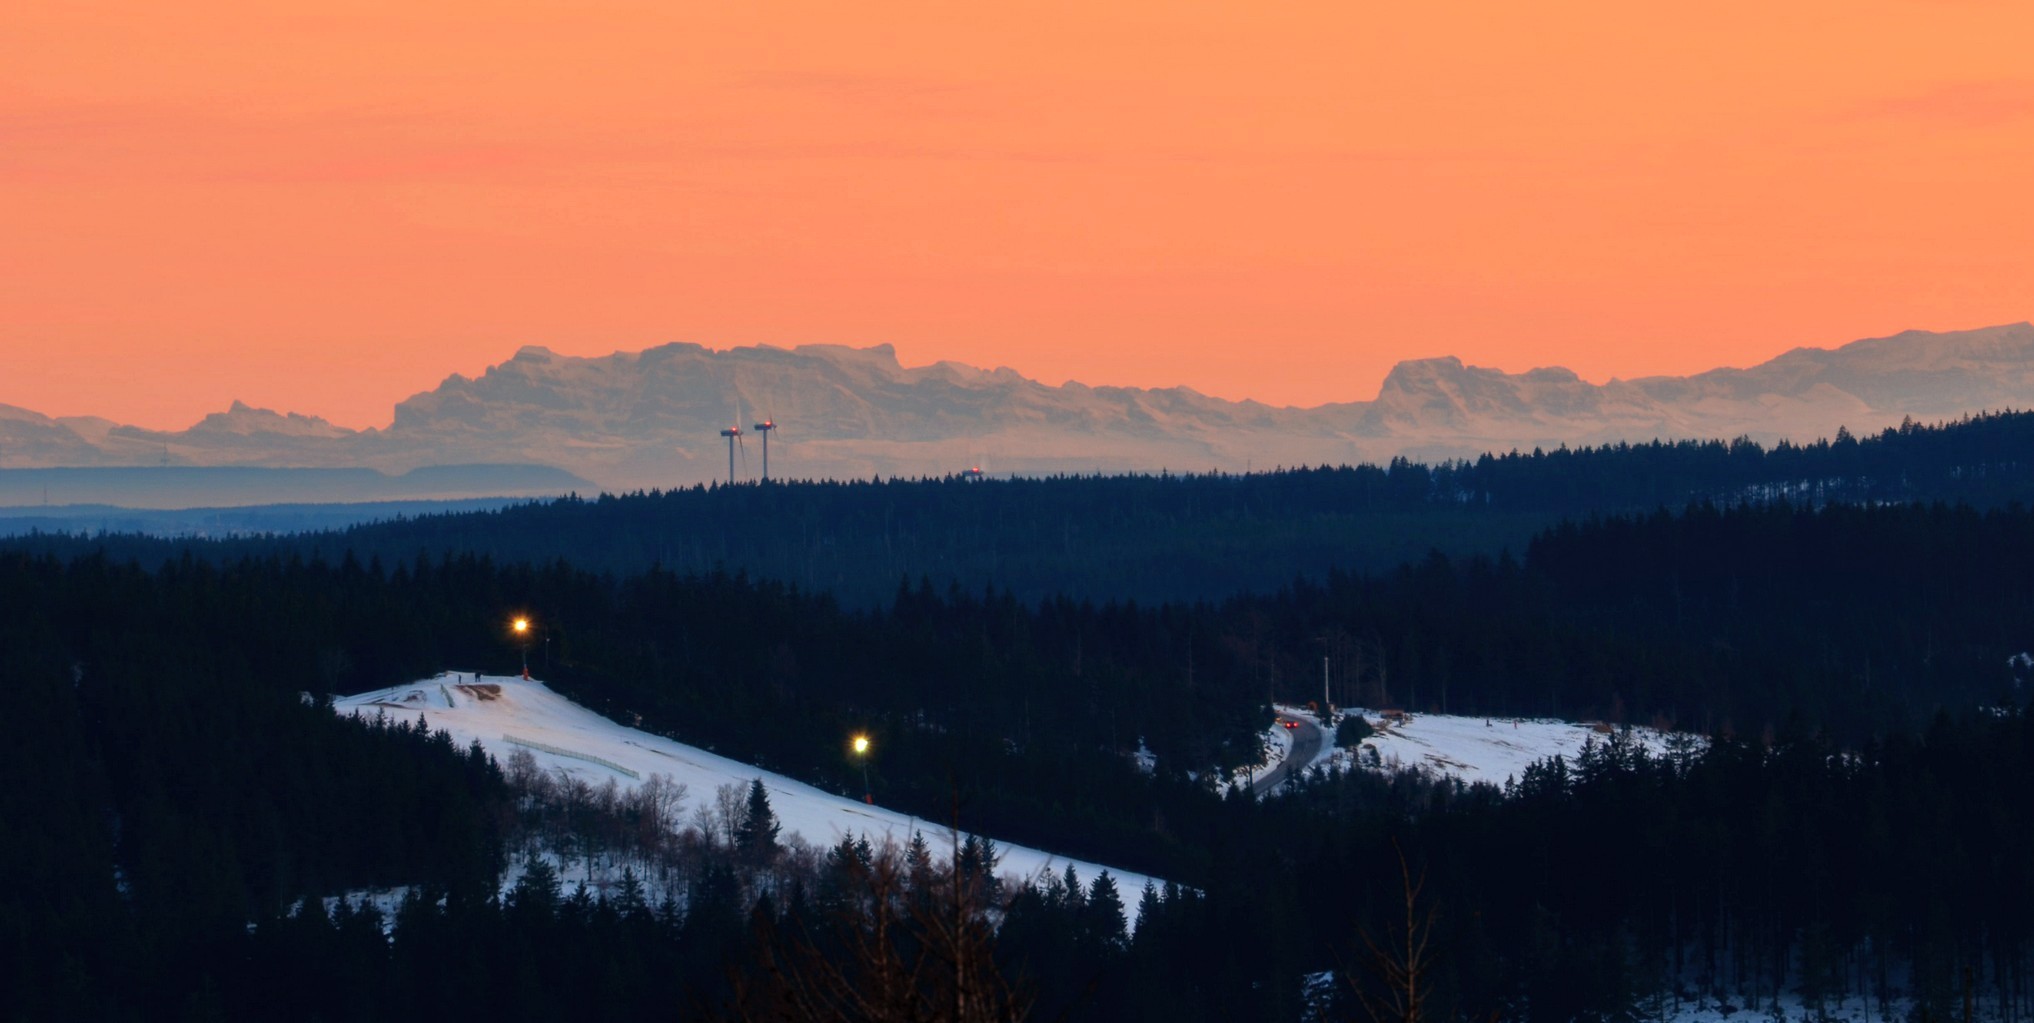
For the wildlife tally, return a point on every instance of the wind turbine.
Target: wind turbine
(733, 434)
(764, 428)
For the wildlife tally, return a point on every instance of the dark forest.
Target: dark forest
(1837, 622)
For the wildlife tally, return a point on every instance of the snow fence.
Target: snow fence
(572, 754)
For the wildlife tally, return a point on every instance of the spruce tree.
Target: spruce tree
(629, 895)
(1147, 904)
(756, 835)
(1104, 923)
(1076, 893)
(537, 892)
(918, 862)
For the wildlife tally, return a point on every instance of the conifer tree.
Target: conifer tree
(1103, 916)
(756, 834)
(918, 862)
(1147, 904)
(1076, 894)
(538, 890)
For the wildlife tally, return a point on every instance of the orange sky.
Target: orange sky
(325, 212)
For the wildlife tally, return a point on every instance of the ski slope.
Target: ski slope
(506, 713)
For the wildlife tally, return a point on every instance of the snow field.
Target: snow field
(507, 713)
(1480, 749)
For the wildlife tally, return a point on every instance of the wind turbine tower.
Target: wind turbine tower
(764, 428)
(733, 434)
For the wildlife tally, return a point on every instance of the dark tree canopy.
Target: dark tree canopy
(1846, 622)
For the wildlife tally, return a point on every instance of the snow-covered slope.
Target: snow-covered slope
(1483, 749)
(506, 713)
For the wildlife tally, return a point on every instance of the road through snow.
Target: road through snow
(1306, 745)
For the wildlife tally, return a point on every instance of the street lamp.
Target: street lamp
(861, 748)
(521, 627)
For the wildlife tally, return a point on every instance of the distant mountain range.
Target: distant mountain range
(650, 419)
(86, 493)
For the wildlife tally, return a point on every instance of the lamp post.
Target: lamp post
(521, 627)
(861, 748)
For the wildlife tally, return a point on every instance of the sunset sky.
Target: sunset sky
(326, 211)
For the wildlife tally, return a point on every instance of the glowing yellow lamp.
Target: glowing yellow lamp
(861, 748)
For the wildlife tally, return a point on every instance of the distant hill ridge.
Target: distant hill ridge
(201, 486)
(650, 419)
(1146, 537)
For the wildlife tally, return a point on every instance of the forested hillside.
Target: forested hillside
(165, 782)
(175, 775)
(1160, 538)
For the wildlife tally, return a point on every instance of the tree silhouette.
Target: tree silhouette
(1400, 963)
(755, 835)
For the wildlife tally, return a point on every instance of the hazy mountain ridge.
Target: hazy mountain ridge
(74, 490)
(651, 418)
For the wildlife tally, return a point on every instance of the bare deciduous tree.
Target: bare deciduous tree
(892, 954)
(730, 804)
(1401, 961)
